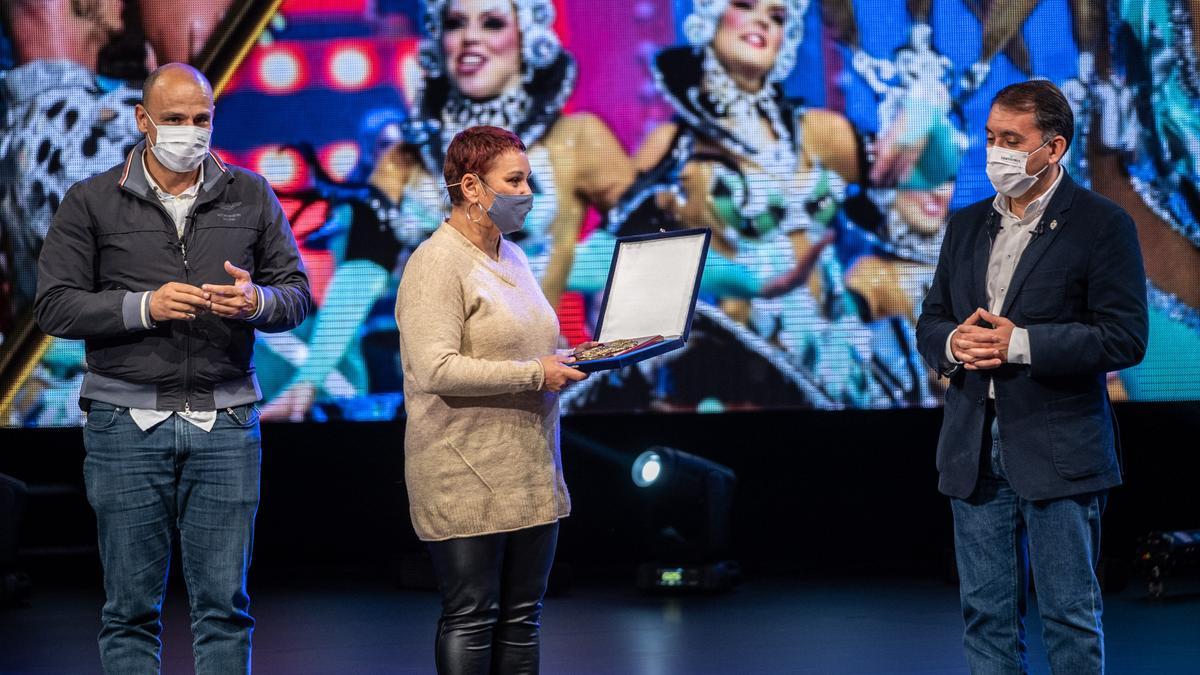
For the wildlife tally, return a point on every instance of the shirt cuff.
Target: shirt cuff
(950, 352)
(1018, 347)
(135, 311)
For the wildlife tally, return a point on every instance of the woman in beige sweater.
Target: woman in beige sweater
(481, 383)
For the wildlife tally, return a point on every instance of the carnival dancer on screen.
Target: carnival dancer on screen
(916, 158)
(481, 377)
(496, 62)
(767, 176)
(61, 123)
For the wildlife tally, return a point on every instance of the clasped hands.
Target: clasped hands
(980, 347)
(183, 302)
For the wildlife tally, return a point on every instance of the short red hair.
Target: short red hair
(474, 150)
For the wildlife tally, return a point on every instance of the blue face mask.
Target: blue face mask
(507, 211)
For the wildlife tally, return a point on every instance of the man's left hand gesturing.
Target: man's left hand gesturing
(238, 301)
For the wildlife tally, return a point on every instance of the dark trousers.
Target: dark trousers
(492, 587)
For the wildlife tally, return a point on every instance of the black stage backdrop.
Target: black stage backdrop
(815, 494)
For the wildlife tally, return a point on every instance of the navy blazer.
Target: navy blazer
(1080, 291)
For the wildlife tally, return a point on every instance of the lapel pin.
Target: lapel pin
(1053, 224)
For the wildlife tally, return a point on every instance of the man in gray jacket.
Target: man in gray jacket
(165, 265)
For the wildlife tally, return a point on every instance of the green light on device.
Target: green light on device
(671, 577)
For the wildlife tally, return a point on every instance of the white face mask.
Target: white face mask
(180, 148)
(1006, 170)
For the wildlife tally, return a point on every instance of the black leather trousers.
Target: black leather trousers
(492, 587)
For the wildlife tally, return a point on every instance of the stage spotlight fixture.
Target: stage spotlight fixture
(687, 523)
(647, 468)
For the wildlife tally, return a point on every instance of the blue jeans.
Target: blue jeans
(998, 538)
(146, 485)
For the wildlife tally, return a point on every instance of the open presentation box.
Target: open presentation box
(650, 297)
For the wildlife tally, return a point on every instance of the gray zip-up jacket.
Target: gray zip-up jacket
(111, 242)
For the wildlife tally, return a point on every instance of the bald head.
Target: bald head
(175, 78)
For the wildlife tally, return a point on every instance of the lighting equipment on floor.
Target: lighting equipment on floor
(688, 507)
(1165, 555)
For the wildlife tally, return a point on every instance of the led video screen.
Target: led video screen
(825, 143)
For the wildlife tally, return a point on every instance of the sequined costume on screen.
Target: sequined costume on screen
(768, 176)
(576, 162)
(916, 158)
(62, 123)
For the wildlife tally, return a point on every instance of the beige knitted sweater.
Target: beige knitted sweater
(481, 448)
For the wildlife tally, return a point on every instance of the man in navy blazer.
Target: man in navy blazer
(1038, 294)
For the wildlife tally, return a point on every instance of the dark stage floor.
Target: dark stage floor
(775, 625)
